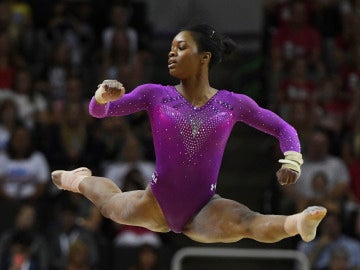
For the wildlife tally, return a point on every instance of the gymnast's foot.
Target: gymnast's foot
(70, 180)
(309, 220)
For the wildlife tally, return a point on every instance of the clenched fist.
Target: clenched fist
(109, 90)
(287, 176)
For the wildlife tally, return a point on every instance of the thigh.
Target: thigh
(138, 208)
(220, 220)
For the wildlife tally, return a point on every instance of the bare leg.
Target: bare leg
(223, 220)
(138, 208)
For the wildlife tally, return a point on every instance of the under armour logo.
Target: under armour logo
(154, 178)
(213, 187)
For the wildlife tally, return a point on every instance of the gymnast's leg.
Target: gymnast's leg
(223, 220)
(138, 208)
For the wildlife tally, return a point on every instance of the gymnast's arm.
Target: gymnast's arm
(249, 112)
(123, 104)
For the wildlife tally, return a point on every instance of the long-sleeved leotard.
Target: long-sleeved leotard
(189, 142)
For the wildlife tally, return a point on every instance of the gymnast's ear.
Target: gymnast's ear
(205, 57)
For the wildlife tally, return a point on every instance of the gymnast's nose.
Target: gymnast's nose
(171, 54)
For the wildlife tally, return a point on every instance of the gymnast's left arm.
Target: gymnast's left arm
(249, 112)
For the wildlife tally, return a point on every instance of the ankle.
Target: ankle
(70, 180)
(75, 183)
(291, 224)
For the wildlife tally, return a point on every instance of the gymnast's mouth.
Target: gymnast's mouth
(171, 63)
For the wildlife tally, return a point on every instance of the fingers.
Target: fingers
(109, 90)
(111, 84)
(113, 87)
(286, 176)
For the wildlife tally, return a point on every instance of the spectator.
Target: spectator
(113, 133)
(19, 256)
(297, 38)
(21, 18)
(350, 76)
(5, 17)
(339, 260)
(9, 119)
(26, 225)
(297, 88)
(317, 159)
(24, 173)
(119, 20)
(347, 40)
(351, 154)
(99, 250)
(8, 61)
(74, 93)
(354, 224)
(119, 62)
(63, 234)
(79, 256)
(301, 117)
(320, 194)
(131, 158)
(23, 169)
(147, 259)
(327, 20)
(70, 143)
(331, 112)
(321, 251)
(59, 69)
(70, 25)
(32, 105)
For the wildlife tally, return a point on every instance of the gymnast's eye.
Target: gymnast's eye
(182, 45)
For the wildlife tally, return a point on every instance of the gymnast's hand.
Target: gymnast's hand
(287, 176)
(290, 169)
(109, 90)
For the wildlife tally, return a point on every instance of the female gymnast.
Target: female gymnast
(191, 123)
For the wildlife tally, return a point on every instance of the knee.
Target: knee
(237, 226)
(246, 218)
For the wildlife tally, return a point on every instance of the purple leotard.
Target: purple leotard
(189, 142)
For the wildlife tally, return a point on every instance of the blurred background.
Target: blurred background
(298, 58)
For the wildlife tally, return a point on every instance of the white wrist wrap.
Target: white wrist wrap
(98, 95)
(293, 160)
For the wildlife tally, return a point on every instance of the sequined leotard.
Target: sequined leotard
(189, 142)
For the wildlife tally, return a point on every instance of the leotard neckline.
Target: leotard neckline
(189, 103)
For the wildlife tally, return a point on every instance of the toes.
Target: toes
(83, 170)
(56, 177)
(316, 211)
(56, 173)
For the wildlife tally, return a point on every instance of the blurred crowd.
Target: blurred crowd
(312, 51)
(53, 54)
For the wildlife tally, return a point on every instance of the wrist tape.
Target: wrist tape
(98, 95)
(293, 160)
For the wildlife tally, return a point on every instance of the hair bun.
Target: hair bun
(229, 47)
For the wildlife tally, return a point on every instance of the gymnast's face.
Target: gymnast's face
(184, 57)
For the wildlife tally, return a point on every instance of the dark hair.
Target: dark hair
(23, 238)
(209, 40)
(10, 148)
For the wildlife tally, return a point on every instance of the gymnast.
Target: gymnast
(191, 123)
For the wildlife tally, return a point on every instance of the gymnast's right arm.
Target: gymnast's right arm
(110, 100)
